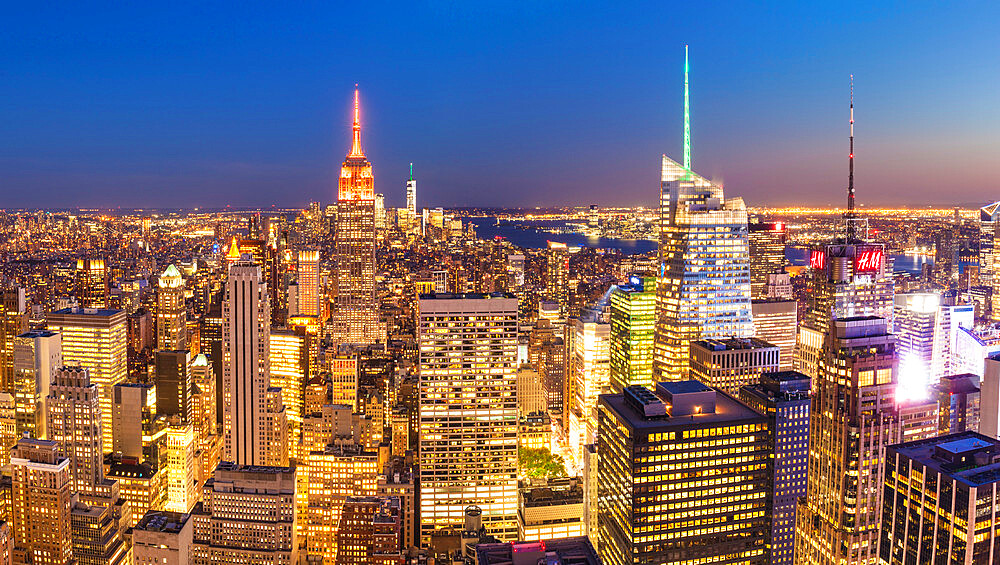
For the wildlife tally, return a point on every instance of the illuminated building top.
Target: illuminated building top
(357, 181)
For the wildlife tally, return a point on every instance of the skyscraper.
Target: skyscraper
(411, 195)
(173, 383)
(941, 495)
(784, 399)
(246, 347)
(729, 364)
(247, 515)
(13, 322)
(74, 422)
(852, 419)
(682, 477)
(775, 320)
(989, 247)
(308, 283)
(96, 340)
(468, 411)
(557, 275)
(41, 486)
(703, 289)
(37, 354)
(767, 254)
(633, 317)
(92, 283)
(171, 314)
(591, 373)
(369, 531)
(355, 313)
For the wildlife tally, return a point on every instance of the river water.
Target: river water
(526, 234)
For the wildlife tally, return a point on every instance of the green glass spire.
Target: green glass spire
(411, 171)
(687, 115)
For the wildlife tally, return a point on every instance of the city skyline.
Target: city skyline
(214, 113)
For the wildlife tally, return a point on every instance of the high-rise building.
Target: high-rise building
(550, 509)
(95, 339)
(173, 383)
(171, 313)
(13, 322)
(245, 349)
(370, 531)
(308, 283)
(411, 194)
(163, 538)
(74, 422)
(633, 317)
(132, 414)
(557, 275)
(775, 320)
(41, 495)
(958, 403)
(91, 283)
(940, 499)
(917, 330)
(729, 364)
(37, 354)
(703, 289)
(334, 474)
(989, 248)
(682, 477)
(853, 416)
(355, 312)
(591, 373)
(784, 399)
(767, 254)
(207, 438)
(182, 493)
(289, 359)
(468, 411)
(779, 285)
(246, 515)
(98, 534)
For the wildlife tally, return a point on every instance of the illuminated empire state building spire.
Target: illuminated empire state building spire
(355, 310)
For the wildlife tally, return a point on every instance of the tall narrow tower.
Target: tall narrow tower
(411, 194)
(355, 313)
(246, 334)
(703, 288)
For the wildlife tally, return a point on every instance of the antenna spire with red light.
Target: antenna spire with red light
(356, 141)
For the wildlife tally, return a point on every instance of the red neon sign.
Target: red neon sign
(868, 260)
(817, 259)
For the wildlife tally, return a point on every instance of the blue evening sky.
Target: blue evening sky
(496, 103)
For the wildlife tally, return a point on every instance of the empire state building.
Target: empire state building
(355, 310)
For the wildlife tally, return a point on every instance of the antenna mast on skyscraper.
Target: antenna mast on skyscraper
(850, 216)
(687, 115)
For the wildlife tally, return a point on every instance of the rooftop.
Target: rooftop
(565, 551)
(967, 457)
(677, 404)
(733, 343)
(162, 521)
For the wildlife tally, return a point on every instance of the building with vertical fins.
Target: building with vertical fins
(703, 288)
(767, 254)
(989, 250)
(633, 314)
(245, 350)
(308, 283)
(355, 309)
(411, 194)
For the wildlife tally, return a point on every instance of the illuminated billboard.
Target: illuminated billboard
(869, 260)
(817, 259)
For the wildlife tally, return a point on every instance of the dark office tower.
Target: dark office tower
(211, 345)
(91, 285)
(767, 254)
(355, 309)
(852, 419)
(784, 399)
(173, 384)
(958, 403)
(13, 322)
(941, 496)
(682, 477)
(547, 355)
(947, 243)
